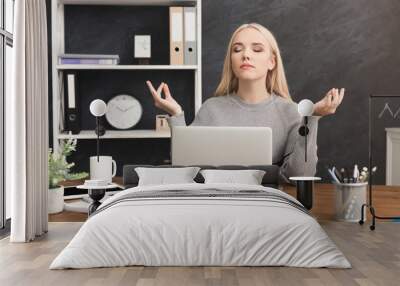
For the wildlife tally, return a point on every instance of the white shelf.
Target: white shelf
(129, 2)
(116, 134)
(126, 67)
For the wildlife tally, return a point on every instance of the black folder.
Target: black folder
(72, 117)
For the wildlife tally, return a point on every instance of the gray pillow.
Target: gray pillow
(249, 177)
(162, 176)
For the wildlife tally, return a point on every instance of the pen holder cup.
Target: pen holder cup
(349, 198)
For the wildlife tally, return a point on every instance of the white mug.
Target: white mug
(105, 168)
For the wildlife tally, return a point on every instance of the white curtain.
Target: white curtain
(27, 123)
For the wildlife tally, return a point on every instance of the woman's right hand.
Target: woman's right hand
(168, 104)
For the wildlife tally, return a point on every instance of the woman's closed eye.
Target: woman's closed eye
(257, 50)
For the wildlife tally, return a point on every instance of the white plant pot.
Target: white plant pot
(56, 200)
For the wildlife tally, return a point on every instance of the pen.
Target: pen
(356, 173)
(332, 174)
(337, 174)
(343, 174)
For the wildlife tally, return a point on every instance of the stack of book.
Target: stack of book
(88, 59)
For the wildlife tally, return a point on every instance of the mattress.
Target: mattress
(201, 225)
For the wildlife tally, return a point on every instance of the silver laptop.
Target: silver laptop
(206, 145)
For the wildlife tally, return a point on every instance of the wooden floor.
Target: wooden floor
(374, 255)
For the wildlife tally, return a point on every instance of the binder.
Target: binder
(176, 35)
(190, 54)
(72, 120)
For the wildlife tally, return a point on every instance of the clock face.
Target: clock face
(123, 111)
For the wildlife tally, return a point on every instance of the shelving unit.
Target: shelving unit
(58, 47)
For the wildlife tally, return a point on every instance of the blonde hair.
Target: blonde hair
(276, 79)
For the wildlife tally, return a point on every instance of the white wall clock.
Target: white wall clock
(123, 111)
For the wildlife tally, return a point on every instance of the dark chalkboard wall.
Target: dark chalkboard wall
(385, 113)
(111, 29)
(324, 44)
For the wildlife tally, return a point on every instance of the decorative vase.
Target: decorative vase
(56, 200)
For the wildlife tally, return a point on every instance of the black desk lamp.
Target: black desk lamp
(98, 108)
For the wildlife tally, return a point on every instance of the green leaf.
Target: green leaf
(59, 168)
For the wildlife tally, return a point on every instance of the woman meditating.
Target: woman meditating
(253, 92)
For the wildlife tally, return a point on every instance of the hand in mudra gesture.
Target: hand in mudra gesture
(168, 104)
(329, 103)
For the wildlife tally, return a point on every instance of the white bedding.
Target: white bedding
(200, 231)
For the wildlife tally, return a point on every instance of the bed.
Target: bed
(201, 224)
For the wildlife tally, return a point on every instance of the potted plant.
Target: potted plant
(59, 170)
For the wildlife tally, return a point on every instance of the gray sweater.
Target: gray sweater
(276, 112)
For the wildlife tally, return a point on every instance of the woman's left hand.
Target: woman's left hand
(329, 103)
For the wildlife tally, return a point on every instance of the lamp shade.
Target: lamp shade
(98, 107)
(305, 107)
